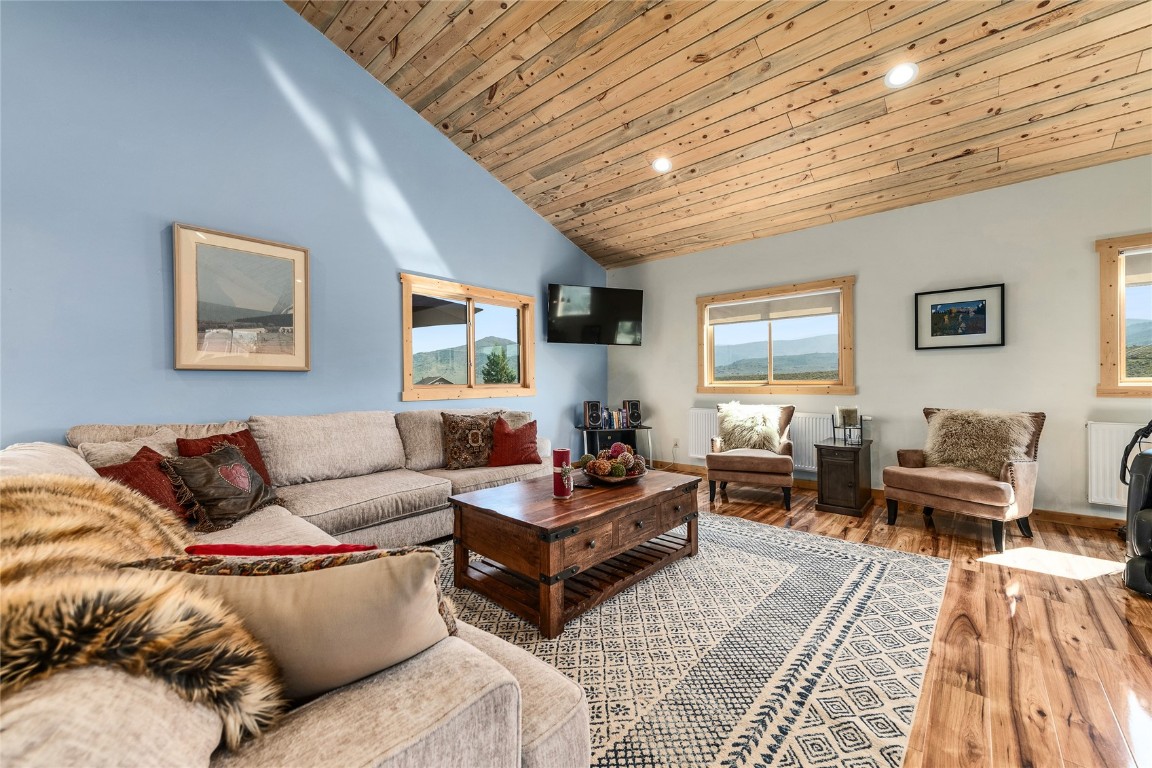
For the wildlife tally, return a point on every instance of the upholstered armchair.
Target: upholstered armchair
(752, 448)
(979, 463)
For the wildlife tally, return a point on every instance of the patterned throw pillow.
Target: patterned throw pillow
(467, 439)
(242, 440)
(331, 619)
(979, 440)
(222, 485)
(513, 446)
(749, 426)
(145, 475)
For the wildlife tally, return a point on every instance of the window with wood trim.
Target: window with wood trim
(788, 339)
(462, 341)
(1125, 316)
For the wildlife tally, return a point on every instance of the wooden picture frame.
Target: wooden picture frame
(240, 303)
(960, 317)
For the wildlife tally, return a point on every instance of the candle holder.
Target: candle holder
(561, 473)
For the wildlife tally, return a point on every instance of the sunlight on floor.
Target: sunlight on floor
(1079, 567)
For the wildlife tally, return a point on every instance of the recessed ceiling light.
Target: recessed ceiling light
(900, 75)
(661, 165)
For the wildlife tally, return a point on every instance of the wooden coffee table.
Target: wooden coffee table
(549, 561)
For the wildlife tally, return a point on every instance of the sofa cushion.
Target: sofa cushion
(477, 478)
(467, 440)
(327, 620)
(750, 460)
(270, 525)
(950, 482)
(103, 433)
(222, 485)
(423, 433)
(198, 446)
(303, 449)
(144, 475)
(43, 459)
(554, 727)
(105, 716)
(977, 439)
(340, 506)
(451, 705)
(163, 441)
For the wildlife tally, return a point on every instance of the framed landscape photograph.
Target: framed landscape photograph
(960, 317)
(241, 304)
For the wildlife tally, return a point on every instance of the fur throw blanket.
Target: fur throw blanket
(65, 604)
(979, 440)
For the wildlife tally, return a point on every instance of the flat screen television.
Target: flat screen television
(582, 314)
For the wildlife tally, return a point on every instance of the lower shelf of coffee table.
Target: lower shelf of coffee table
(583, 591)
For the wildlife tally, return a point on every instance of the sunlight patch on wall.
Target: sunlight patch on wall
(359, 166)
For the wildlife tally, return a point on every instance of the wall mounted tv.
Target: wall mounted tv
(582, 314)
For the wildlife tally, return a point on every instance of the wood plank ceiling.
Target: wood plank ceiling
(774, 115)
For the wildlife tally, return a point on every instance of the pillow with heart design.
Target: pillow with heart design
(222, 484)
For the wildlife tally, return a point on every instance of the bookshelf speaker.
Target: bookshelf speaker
(632, 409)
(593, 414)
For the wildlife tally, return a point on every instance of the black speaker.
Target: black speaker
(632, 412)
(593, 414)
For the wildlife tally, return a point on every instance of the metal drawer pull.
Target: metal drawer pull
(676, 508)
(639, 523)
(592, 544)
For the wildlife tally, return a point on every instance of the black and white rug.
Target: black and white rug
(771, 647)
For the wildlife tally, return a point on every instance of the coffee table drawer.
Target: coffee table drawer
(587, 547)
(672, 513)
(637, 527)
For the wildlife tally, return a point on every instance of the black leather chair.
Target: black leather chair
(1138, 573)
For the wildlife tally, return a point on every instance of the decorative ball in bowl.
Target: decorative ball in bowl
(613, 466)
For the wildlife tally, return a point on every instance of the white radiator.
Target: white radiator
(805, 430)
(1106, 444)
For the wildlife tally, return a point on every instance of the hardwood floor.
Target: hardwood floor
(1028, 667)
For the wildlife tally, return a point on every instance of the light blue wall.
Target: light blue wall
(118, 119)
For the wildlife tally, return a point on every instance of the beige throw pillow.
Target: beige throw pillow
(163, 441)
(977, 439)
(327, 620)
(749, 426)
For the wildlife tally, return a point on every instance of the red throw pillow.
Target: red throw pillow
(513, 446)
(143, 474)
(255, 550)
(242, 440)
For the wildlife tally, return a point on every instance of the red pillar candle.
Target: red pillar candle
(561, 473)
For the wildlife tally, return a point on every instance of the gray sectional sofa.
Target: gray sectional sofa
(362, 477)
(471, 699)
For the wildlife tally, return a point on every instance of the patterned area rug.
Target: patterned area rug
(770, 647)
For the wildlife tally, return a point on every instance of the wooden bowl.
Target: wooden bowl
(607, 480)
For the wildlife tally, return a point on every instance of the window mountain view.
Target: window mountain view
(813, 358)
(1138, 348)
(497, 362)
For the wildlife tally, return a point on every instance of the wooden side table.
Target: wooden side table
(843, 477)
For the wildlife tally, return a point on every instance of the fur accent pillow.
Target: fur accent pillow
(749, 426)
(979, 440)
(467, 439)
(327, 619)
